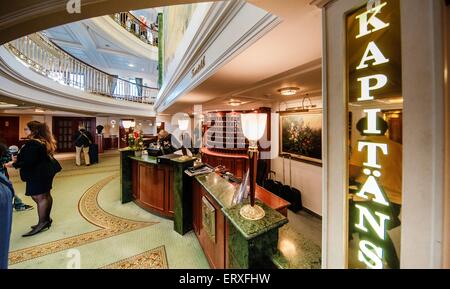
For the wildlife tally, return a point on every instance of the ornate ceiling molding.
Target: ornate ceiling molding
(216, 22)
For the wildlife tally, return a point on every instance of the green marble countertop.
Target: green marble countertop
(251, 229)
(145, 159)
(220, 189)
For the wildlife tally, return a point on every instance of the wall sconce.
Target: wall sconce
(288, 91)
(127, 124)
(253, 127)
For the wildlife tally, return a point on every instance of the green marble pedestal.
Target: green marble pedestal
(182, 198)
(252, 244)
(126, 190)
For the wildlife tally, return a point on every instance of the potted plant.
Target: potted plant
(136, 142)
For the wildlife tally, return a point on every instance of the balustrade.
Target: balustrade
(45, 57)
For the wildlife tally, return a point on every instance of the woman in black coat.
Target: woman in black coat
(36, 169)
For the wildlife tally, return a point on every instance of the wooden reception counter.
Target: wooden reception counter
(216, 227)
(204, 203)
(158, 185)
(152, 185)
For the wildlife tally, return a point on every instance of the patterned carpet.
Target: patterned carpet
(88, 206)
(153, 259)
(90, 220)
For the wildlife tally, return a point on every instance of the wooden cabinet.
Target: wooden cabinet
(135, 178)
(211, 226)
(213, 244)
(152, 187)
(235, 164)
(110, 143)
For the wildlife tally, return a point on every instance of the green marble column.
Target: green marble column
(126, 191)
(182, 190)
(252, 244)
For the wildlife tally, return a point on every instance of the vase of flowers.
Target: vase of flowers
(136, 143)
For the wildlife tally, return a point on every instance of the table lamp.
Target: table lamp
(183, 125)
(253, 127)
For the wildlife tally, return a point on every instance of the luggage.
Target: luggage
(272, 185)
(93, 153)
(286, 192)
(296, 195)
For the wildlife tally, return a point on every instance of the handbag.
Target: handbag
(55, 165)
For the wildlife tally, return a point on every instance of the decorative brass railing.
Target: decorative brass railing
(148, 34)
(45, 57)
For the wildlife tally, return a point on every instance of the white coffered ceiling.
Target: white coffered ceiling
(88, 43)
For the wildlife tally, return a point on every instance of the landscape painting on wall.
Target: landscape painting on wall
(301, 136)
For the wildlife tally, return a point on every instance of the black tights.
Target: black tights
(44, 204)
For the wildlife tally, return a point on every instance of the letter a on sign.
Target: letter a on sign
(372, 53)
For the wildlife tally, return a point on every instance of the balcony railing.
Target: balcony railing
(45, 57)
(148, 34)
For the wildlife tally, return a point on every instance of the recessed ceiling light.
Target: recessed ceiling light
(131, 65)
(287, 91)
(234, 102)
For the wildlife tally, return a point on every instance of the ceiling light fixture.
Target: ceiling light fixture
(7, 105)
(131, 65)
(287, 91)
(234, 102)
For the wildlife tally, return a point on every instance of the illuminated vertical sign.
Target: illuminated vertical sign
(374, 82)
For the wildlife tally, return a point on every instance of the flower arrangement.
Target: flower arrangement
(136, 141)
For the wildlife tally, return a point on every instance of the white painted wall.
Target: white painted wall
(305, 177)
(24, 119)
(446, 242)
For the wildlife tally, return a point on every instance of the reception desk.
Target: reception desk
(223, 234)
(152, 185)
(158, 185)
(235, 163)
(204, 204)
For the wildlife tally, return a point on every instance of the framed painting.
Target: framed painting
(301, 136)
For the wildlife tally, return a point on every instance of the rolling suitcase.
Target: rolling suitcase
(272, 185)
(296, 195)
(93, 153)
(286, 192)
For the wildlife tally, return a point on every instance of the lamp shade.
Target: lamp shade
(128, 123)
(183, 124)
(253, 125)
